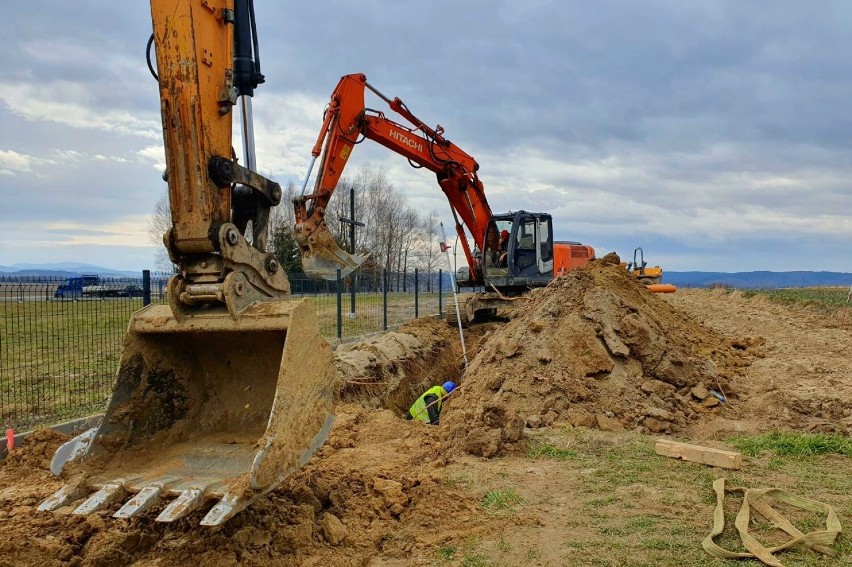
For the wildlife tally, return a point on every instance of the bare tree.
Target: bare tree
(409, 235)
(161, 221)
(428, 252)
(282, 219)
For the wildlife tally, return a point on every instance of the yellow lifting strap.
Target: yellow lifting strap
(753, 499)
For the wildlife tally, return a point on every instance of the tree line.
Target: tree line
(396, 236)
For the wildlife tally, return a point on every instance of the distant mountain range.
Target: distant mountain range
(758, 279)
(62, 269)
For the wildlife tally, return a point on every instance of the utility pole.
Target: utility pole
(352, 224)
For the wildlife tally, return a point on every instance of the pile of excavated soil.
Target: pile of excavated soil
(594, 348)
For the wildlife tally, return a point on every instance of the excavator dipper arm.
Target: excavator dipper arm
(225, 391)
(347, 121)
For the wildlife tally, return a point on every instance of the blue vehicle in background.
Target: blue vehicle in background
(72, 288)
(94, 286)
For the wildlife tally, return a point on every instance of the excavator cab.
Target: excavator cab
(519, 250)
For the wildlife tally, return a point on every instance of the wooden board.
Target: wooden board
(699, 454)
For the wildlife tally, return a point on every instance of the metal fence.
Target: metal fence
(60, 338)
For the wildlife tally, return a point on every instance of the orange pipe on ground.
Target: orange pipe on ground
(661, 288)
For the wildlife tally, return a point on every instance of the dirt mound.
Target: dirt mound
(593, 348)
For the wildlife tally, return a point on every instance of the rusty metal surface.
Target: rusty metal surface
(194, 48)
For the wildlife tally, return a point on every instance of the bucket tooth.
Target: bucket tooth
(65, 495)
(143, 500)
(222, 511)
(72, 450)
(189, 500)
(108, 494)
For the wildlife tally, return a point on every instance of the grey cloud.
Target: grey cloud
(680, 110)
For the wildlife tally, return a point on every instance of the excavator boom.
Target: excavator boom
(348, 120)
(225, 391)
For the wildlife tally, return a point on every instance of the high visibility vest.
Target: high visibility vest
(418, 409)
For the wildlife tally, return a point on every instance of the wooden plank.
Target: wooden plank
(699, 454)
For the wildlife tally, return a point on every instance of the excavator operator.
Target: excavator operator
(503, 249)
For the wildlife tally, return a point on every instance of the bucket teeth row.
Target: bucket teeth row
(148, 497)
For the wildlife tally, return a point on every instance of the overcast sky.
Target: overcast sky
(717, 135)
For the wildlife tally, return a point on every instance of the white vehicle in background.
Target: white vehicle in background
(103, 290)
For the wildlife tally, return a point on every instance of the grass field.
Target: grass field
(827, 297)
(581, 497)
(58, 358)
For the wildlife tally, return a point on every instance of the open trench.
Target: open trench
(393, 369)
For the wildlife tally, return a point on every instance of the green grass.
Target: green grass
(825, 297)
(501, 499)
(794, 444)
(58, 359)
(447, 552)
(474, 559)
(548, 451)
(629, 506)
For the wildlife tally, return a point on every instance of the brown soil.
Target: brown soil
(594, 349)
(800, 378)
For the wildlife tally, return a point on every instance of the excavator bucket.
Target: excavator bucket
(324, 257)
(206, 407)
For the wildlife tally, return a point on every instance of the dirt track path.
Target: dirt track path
(804, 378)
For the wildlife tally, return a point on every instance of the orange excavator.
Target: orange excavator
(512, 252)
(226, 390)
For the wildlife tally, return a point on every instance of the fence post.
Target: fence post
(440, 293)
(385, 299)
(339, 305)
(146, 287)
(416, 294)
(352, 284)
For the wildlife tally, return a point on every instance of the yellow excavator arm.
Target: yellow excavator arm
(225, 391)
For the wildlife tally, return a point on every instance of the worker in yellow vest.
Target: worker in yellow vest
(427, 408)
